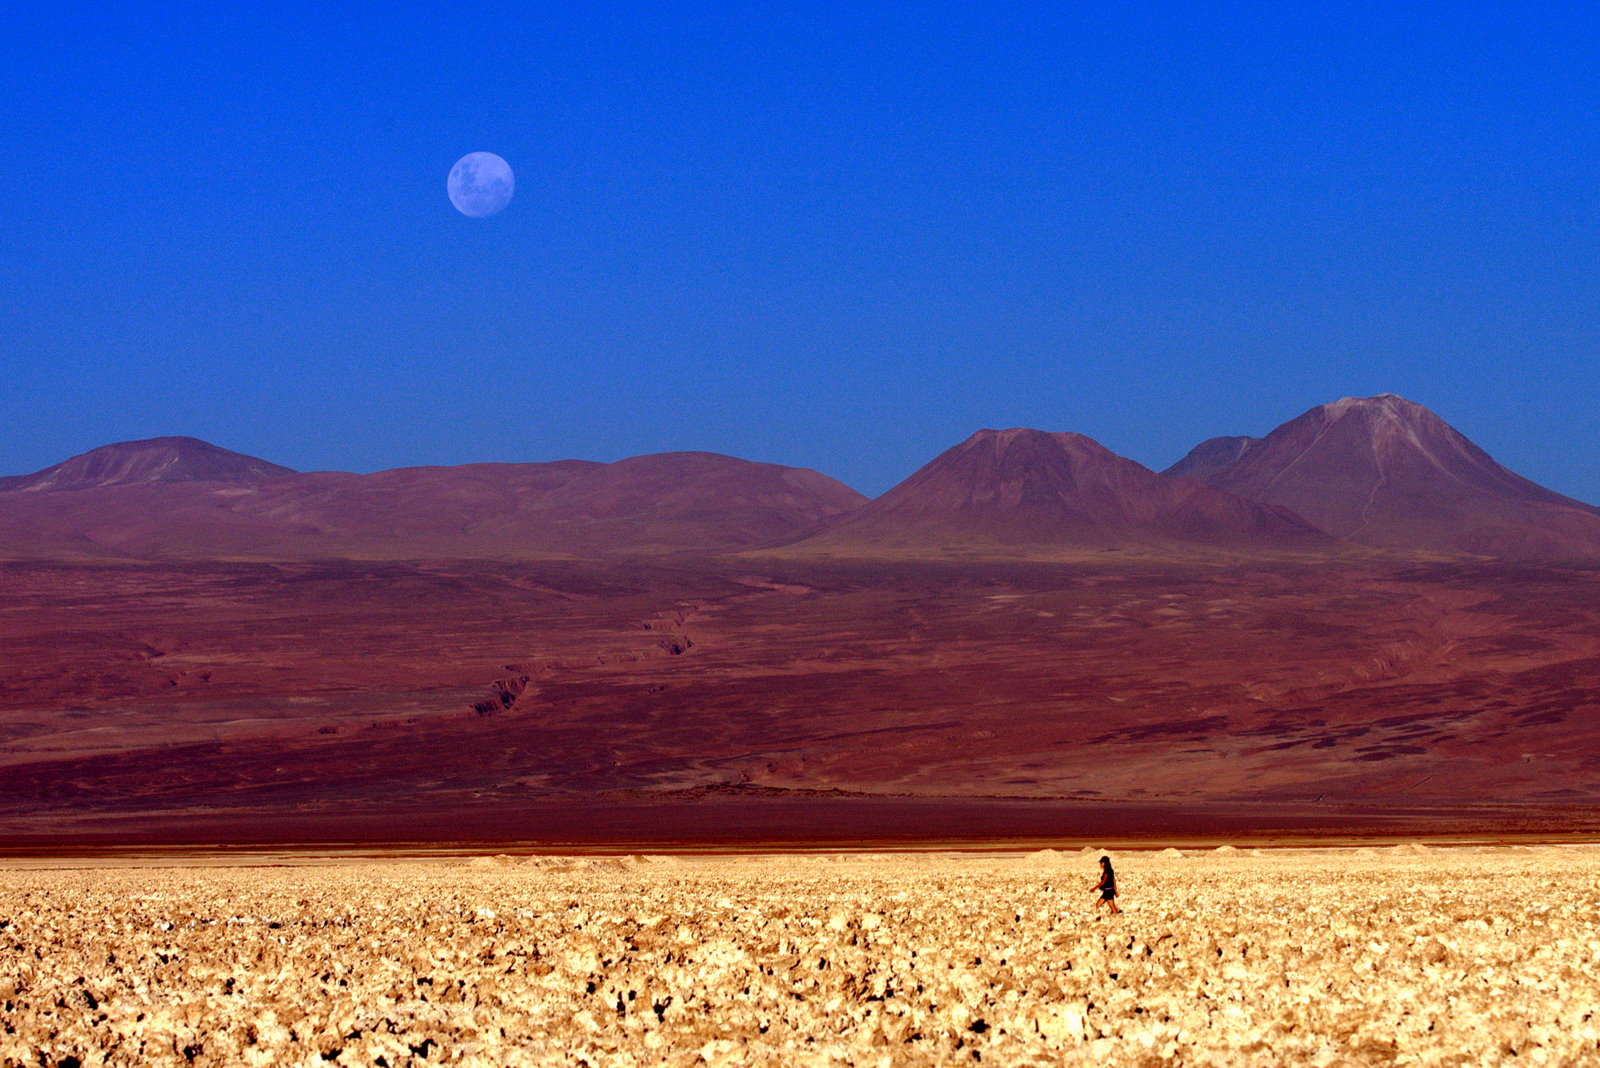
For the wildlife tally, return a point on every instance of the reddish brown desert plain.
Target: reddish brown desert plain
(802, 701)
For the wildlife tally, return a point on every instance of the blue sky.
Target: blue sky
(837, 236)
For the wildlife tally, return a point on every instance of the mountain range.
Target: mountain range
(1309, 632)
(1028, 489)
(1377, 473)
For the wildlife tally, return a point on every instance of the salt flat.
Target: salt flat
(1409, 955)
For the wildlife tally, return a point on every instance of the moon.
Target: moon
(480, 184)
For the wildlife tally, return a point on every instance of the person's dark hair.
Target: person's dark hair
(1106, 861)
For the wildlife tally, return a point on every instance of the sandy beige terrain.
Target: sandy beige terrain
(1369, 956)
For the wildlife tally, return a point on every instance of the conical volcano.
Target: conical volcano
(1385, 471)
(1030, 489)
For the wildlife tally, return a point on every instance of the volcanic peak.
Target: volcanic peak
(1386, 471)
(1210, 456)
(1380, 425)
(152, 460)
(1392, 421)
(1038, 490)
(1015, 469)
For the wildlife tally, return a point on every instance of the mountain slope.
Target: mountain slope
(1385, 471)
(1029, 489)
(148, 462)
(1210, 456)
(146, 507)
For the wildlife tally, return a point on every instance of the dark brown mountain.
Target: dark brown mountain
(148, 462)
(672, 502)
(1033, 490)
(1210, 456)
(1387, 472)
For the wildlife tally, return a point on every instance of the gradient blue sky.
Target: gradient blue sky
(842, 237)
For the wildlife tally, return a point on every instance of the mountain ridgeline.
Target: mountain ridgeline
(147, 463)
(1386, 472)
(1378, 474)
(1011, 490)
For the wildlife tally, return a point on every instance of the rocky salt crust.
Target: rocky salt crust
(1378, 956)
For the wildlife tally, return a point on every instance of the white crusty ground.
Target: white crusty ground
(1405, 956)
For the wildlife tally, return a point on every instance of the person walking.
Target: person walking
(1107, 886)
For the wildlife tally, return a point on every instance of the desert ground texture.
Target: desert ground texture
(290, 703)
(1396, 955)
